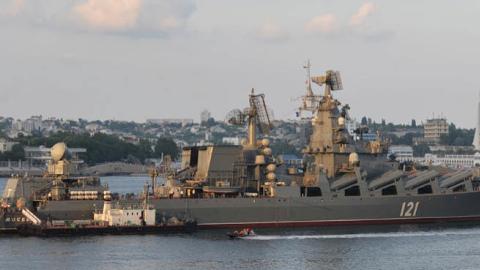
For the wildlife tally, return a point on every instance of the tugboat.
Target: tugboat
(116, 220)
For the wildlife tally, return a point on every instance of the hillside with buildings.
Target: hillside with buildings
(98, 142)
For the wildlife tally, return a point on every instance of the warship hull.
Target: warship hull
(297, 212)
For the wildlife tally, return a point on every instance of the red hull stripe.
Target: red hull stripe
(324, 223)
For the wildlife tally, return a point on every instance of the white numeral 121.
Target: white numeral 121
(409, 209)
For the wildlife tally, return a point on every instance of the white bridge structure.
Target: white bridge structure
(451, 161)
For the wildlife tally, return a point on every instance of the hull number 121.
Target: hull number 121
(409, 209)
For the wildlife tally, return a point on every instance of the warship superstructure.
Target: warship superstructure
(34, 199)
(344, 180)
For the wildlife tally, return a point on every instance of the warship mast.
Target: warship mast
(310, 101)
(331, 150)
(252, 123)
(328, 142)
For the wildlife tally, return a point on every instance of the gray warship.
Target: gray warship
(343, 180)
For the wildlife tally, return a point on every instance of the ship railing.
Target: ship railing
(207, 197)
(233, 178)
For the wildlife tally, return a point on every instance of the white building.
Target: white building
(450, 161)
(217, 129)
(453, 161)
(194, 129)
(401, 152)
(5, 145)
(29, 125)
(351, 125)
(166, 121)
(433, 129)
(93, 128)
(232, 140)
(405, 153)
(204, 116)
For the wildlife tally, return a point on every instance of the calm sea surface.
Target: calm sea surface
(408, 247)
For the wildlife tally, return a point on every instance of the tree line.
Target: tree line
(100, 147)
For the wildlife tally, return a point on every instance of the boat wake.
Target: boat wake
(363, 235)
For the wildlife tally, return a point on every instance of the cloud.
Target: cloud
(12, 7)
(50, 13)
(362, 13)
(378, 35)
(137, 17)
(272, 32)
(109, 14)
(356, 27)
(165, 16)
(326, 23)
(157, 18)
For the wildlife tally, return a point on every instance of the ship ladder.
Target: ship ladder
(31, 216)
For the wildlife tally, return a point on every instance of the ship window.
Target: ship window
(425, 190)
(314, 192)
(391, 190)
(193, 157)
(352, 191)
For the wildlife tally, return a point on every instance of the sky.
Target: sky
(140, 59)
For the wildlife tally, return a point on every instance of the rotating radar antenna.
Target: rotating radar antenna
(258, 110)
(236, 117)
(332, 81)
(256, 116)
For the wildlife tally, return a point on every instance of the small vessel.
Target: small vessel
(61, 194)
(245, 232)
(113, 219)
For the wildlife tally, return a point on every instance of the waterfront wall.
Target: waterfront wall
(9, 168)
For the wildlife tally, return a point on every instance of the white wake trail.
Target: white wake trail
(362, 235)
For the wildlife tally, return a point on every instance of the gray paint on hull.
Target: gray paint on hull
(291, 210)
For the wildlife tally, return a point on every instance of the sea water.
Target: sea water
(407, 247)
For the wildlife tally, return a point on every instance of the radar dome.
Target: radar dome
(267, 151)
(271, 167)
(265, 142)
(235, 117)
(271, 176)
(58, 151)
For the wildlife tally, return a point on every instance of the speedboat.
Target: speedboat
(246, 232)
